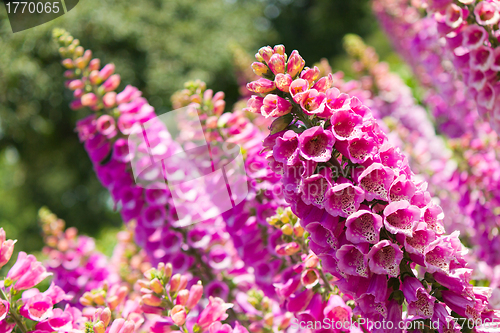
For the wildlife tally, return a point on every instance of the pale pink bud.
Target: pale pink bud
(195, 294)
(280, 49)
(324, 83)
(295, 64)
(89, 99)
(106, 71)
(21, 266)
(68, 63)
(128, 327)
(128, 94)
(95, 64)
(208, 94)
(178, 315)
(76, 84)
(292, 248)
(36, 274)
(261, 86)
(277, 63)
(182, 297)
(151, 300)
(219, 96)
(87, 55)
(260, 69)
(168, 271)
(112, 83)
(156, 286)
(99, 327)
(6, 250)
(117, 325)
(94, 77)
(109, 99)
(80, 63)
(106, 316)
(283, 82)
(78, 93)
(311, 261)
(219, 107)
(266, 53)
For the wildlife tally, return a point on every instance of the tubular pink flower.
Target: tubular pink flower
(316, 144)
(345, 124)
(22, 265)
(353, 260)
(344, 199)
(36, 274)
(106, 71)
(384, 258)
(474, 36)
(275, 106)
(364, 226)
(111, 83)
(481, 58)
(376, 181)
(277, 63)
(420, 303)
(313, 102)
(314, 189)
(106, 125)
(286, 149)
(454, 16)
(401, 217)
(37, 308)
(358, 149)
(214, 311)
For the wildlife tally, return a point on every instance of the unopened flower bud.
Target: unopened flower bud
(151, 300)
(87, 55)
(80, 63)
(287, 229)
(89, 99)
(295, 64)
(128, 327)
(168, 271)
(286, 321)
(99, 298)
(106, 71)
(298, 230)
(175, 281)
(111, 83)
(94, 77)
(268, 319)
(106, 316)
(178, 315)
(76, 84)
(310, 74)
(311, 261)
(182, 297)
(277, 63)
(68, 63)
(195, 294)
(109, 99)
(76, 104)
(266, 53)
(283, 82)
(99, 327)
(219, 107)
(156, 286)
(261, 69)
(95, 64)
(79, 51)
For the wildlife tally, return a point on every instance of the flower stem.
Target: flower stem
(325, 280)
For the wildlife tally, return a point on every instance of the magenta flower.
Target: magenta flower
(275, 106)
(417, 243)
(352, 259)
(358, 149)
(402, 189)
(439, 255)
(6, 248)
(401, 217)
(37, 307)
(487, 12)
(344, 199)
(316, 144)
(22, 265)
(277, 63)
(314, 189)
(376, 181)
(313, 102)
(286, 148)
(384, 258)
(420, 303)
(337, 101)
(214, 311)
(481, 58)
(36, 274)
(337, 311)
(474, 36)
(453, 16)
(345, 124)
(364, 226)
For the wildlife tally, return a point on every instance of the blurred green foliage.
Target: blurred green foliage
(156, 45)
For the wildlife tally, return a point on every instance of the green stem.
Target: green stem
(325, 280)
(13, 314)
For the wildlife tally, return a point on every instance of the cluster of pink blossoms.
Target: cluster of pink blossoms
(369, 220)
(467, 184)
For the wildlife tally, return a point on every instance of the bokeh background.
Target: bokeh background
(156, 46)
